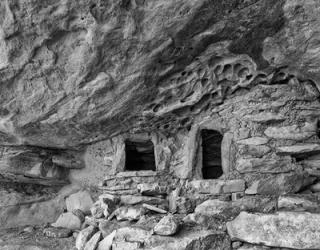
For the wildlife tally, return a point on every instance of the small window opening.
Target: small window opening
(211, 154)
(139, 156)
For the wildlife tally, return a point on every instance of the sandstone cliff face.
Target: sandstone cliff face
(74, 72)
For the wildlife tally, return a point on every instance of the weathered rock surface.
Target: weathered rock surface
(106, 243)
(309, 202)
(299, 149)
(284, 229)
(79, 80)
(68, 220)
(84, 236)
(167, 226)
(31, 213)
(129, 213)
(93, 242)
(81, 200)
(70, 83)
(280, 184)
(57, 232)
(218, 186)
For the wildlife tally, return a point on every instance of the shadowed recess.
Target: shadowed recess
(211, 154)
(139, 156)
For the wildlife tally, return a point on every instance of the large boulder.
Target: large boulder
(298, 230)
(81, 200)
(30, 213)
(68, 220)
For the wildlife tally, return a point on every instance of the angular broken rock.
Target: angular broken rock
(151, 189)
(279, 184)
(68, 220)
(217, 186)
(254, 141)
(155, 209)
(284, 229)
(93, 242)
(106, 243)
(293, 132)
(139, 199)
(299, 202)
(129, 213)
(96, 210)
(299, 149)
(167, 226)
(81, 200)
(53, 232)
(265, 165)
(84, 236)
(212, 207)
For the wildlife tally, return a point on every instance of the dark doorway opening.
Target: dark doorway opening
(211, 154)
(139, 156)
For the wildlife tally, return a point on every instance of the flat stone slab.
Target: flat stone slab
(293, 132)
(265, 165)
(254, 141)
(265, 117)
(137, 173)
(299, 149)
(284, 229)
(218, 186)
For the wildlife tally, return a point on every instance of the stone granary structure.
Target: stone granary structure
(177, 125)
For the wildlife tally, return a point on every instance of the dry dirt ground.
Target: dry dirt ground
(18, 239)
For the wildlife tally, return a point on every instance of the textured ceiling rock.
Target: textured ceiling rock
(73, 72)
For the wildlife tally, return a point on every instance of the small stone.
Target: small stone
(53, 232)
(167, 226)
(155, 209)
(109, 197)
(96, 210)
(236, 244)
(212, 207)
(315, 187)
(253, 189)
(93, 242)
(68, 220)
(29, 229)
(106, 243)
(84, 236)
(79, 214)
(151, 189)
(236, 196)
(81, 200)
(75, 234)
(129, 213)
(107, 227)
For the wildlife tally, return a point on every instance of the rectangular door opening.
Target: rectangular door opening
(211, 154)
